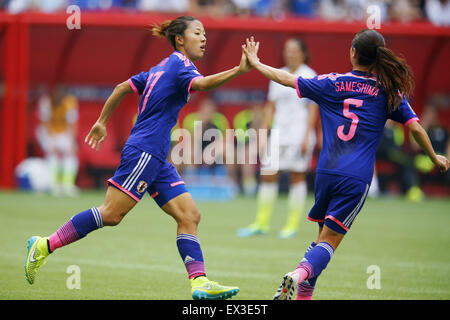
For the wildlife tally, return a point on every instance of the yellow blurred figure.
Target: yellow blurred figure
(57, 136)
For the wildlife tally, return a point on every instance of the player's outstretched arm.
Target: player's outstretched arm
(98, 133)
(421, 137)
(282, 77)
(216, 80)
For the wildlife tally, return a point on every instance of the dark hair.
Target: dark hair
(392, 71)
(169, 29)
(303, 48)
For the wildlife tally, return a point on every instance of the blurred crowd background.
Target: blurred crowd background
(405, 11)
(70, 77)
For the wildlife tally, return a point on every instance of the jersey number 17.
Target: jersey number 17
(155, 76)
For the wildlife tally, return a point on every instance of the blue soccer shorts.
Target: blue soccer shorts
(139, 172)
(338, 200)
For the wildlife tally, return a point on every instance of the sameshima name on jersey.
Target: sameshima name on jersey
(358, 87)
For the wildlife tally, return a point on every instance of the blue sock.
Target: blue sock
(87, 221)
(191, 254)
(316, 259)
(76, 228)
(311, 281)
(306, 287)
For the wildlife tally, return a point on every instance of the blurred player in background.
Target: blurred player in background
(246, 150)
(57, 137)
(206, 118)
(392, 148)
(439, 137)
(164, 90)
(353, 108)
(295, 121)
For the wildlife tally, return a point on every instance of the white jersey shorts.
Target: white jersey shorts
(286, 158)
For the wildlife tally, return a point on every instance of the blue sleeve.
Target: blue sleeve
(138, 82)
(186, 76)
(404, 114)
(312, 88)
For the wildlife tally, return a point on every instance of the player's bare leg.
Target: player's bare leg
(185, 212)
(332, 237)
(115, 206)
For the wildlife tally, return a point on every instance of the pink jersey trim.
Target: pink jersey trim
(190, 83)
(187, 62)
(176, 183)
(411, 120)
(297, 88)
(315, 220)
(163, 62)
(337, 221)
(133, 86)
(154, 195)
(123, 189)
(348, 74)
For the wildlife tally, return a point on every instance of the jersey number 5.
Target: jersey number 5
(351, 133)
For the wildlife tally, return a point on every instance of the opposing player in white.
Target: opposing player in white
(293, 125)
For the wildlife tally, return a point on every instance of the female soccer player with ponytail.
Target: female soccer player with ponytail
(164, 90)
(354, 107)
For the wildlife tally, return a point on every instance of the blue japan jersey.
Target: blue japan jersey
(164, 90)
(353, 111)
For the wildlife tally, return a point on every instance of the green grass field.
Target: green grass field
(138, 259)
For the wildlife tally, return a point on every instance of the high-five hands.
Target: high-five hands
(244, 65)
(251, 51)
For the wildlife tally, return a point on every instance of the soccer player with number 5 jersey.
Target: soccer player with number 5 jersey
(354, 107)
(164, 90)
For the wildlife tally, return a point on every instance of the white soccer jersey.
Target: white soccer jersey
(291, 113)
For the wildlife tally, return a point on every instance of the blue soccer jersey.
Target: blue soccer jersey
(164, 90)
(353, 111)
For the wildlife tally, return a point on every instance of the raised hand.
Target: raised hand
(96, 136)
(281, 76)
(244, 65)
(251, 51)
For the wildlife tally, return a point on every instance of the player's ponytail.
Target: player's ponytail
(161, 30)
(392, 71)
(169, 29)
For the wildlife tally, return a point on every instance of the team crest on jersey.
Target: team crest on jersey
(142, 186)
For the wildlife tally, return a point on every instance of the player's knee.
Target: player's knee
(330, 236)
(115, 220)
(195, 216)
(111, 216)
(191, 216)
